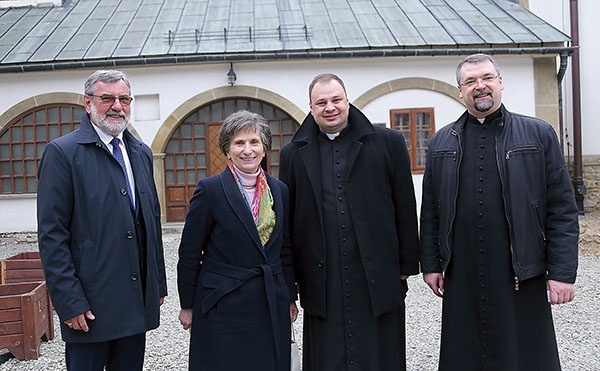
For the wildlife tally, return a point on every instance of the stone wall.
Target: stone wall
(591, 180)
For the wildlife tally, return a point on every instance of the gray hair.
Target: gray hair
(476, 58)
(324, 77)
(244, 121)
(106, 76)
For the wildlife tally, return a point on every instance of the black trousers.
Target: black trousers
(124, 354)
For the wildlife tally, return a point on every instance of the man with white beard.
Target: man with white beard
(99, 232)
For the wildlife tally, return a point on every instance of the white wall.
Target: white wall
(162, 89)
(18, 213)
(557, 13)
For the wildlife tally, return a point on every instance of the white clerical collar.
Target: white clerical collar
(332, 136)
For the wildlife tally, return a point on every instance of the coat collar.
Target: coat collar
(358, 124)
(504, 119)
(240, 208)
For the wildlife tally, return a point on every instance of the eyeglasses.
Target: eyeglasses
(110, 99)
(486, 81)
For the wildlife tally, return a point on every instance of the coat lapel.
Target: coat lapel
(239, 206)
(310, 156)
(277, 206)
(361, 127)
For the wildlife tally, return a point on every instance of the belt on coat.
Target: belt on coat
(237, 277)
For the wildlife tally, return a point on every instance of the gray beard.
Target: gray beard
(106, 125)
(485, 105)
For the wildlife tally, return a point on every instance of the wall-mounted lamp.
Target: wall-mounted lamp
(231, 76)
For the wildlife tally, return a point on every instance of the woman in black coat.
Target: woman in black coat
(233, 265)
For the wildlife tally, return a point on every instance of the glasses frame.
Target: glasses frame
(125, 100)
(486, 80)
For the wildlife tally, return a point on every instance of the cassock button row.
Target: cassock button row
(337, 161)
(129, 234)
(481, 168)
(134, 277)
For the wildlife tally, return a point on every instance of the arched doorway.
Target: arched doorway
(193, 153)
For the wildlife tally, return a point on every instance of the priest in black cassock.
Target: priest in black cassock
(353, 228)
(499, 230)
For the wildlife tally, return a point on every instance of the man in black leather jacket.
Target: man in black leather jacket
(499, 230)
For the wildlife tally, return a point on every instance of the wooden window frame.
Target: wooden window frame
(18, 170)
(411, 134)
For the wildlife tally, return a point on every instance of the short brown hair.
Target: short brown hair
(324, 77)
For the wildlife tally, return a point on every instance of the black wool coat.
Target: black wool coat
(236, 288)
(382, 205)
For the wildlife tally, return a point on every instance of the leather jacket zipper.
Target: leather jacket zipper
(510, 233)
(457, 157)
(521, 149)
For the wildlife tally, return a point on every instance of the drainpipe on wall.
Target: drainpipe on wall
(578, 185)
(564, 58)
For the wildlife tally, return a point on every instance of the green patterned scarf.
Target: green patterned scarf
(261, 206)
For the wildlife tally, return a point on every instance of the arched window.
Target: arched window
(193, 151)
(23, 140)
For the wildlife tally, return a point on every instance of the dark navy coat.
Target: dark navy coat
(236, 287)
(88, 238)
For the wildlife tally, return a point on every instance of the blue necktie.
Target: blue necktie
(119, 156)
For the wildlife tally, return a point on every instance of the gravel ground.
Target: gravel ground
(577, 323)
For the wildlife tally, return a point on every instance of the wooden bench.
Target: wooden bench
(26, 318)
